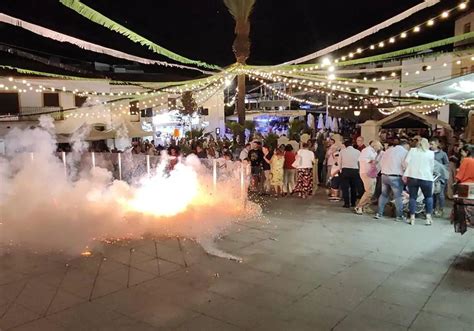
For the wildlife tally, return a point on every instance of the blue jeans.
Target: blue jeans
(426, 186)
(439, 199)
(394, 184)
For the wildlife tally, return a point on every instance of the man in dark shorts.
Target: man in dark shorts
(255, 158)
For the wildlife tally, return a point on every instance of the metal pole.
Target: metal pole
(327, 105)
(120, 165)
(148, 164)
(242, 181)
(93, 159)
(64, 163)
(214, 173)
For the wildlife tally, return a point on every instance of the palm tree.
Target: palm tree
(241, 10)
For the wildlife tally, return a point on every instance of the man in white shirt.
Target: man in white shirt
(391, 165)
(244, 154)
(349, 164)
(368, 173)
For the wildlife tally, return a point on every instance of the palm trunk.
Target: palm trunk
(241, 50)
(240, 102)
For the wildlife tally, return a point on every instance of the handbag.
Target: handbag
(373, 171)
(297, 162)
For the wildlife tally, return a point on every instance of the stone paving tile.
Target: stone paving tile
(396, 314)
(124, 323)
(344, 299)
(8, 292)
(451, 304)
(88, 316)
(64, 300)
(36, 297)
(400, 296)
(78, 282)
(39, 325)
(163, 315)
(8, 277)
(365, 323)
(235, 312)
(16, 315)
(205, 323)
(432, 322)
(308, 268)
(319, 316)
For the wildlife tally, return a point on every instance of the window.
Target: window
(51, 99)
(9, 104)
(147, 112)
(467, 28)
(134, 110)
(79, 100)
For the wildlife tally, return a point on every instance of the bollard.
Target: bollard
(120, 165)
(64, 163)
(214, 173)
(148, 165)
(93, 159)
(242, 180)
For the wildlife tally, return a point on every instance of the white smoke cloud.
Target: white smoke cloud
(43, 209)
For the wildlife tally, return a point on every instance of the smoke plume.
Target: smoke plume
(44, 209)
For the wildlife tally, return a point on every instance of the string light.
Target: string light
(285, 95)
(437, 106)
(404, 34)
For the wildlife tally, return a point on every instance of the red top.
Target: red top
(290, 158)
(360, 148)
(466, 171)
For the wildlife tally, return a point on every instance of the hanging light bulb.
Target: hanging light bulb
(356, 112)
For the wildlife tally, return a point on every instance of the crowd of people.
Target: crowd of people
(412, 173)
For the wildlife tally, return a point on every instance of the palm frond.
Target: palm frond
(240, 9)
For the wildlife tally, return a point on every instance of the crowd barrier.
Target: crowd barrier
(133, 167)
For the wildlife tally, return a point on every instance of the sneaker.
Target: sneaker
(429, 220)
(401, 219)
(412, 220)
(377, 216)
(368, 210)
(438, 213)
(358, 210)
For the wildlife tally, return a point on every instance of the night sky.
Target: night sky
(281, 30)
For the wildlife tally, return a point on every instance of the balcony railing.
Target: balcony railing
(33, 113)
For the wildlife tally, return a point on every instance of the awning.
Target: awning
(408, 119)
(134, 130)
(250, 116)
(460, 89)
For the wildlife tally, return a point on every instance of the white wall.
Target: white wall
(216, 117)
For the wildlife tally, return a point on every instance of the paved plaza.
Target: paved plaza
(308, 265)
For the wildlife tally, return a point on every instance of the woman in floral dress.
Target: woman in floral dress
(276, 171)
